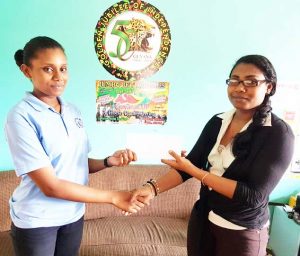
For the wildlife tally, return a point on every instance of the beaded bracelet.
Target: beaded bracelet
(155, 186)
(202, 180)
(151, 188)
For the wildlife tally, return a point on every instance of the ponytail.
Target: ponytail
(242, 141)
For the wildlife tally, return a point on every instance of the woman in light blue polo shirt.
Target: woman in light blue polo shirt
(49, 147)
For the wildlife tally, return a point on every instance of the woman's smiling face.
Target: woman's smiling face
(247, 98)
(48, 72)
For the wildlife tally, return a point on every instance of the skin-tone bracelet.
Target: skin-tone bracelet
(202, 180)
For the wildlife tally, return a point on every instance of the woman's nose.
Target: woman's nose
(240, 87)
(57, 76)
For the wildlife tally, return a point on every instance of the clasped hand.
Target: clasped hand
(132, 201)
(122, 158)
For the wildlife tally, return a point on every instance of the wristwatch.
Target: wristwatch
(106, 163)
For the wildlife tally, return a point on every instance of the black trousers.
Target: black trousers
(218, 241)
(48, 241)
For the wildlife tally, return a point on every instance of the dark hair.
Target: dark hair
(242, 141)
(33, 46)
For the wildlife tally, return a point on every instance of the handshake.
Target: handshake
(133, 201)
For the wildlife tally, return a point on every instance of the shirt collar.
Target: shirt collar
(39, 105)
(227, 116)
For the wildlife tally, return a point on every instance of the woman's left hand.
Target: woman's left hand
(122, 158)
(179, 162)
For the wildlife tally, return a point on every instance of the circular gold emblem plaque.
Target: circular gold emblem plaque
(132, 40)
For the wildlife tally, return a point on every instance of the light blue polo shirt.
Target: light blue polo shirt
(38, 136)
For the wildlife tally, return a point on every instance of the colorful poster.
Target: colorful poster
(132, 102)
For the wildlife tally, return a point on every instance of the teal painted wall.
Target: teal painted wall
(207, 37)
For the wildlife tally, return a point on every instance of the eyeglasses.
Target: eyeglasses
(246, 83)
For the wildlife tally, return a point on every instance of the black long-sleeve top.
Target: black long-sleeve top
(270, 154)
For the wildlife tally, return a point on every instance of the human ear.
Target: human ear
(25, 70)
(269, 88)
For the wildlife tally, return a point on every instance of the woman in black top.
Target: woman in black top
(239, 157)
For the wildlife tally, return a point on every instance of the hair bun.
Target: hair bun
(19, 55)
